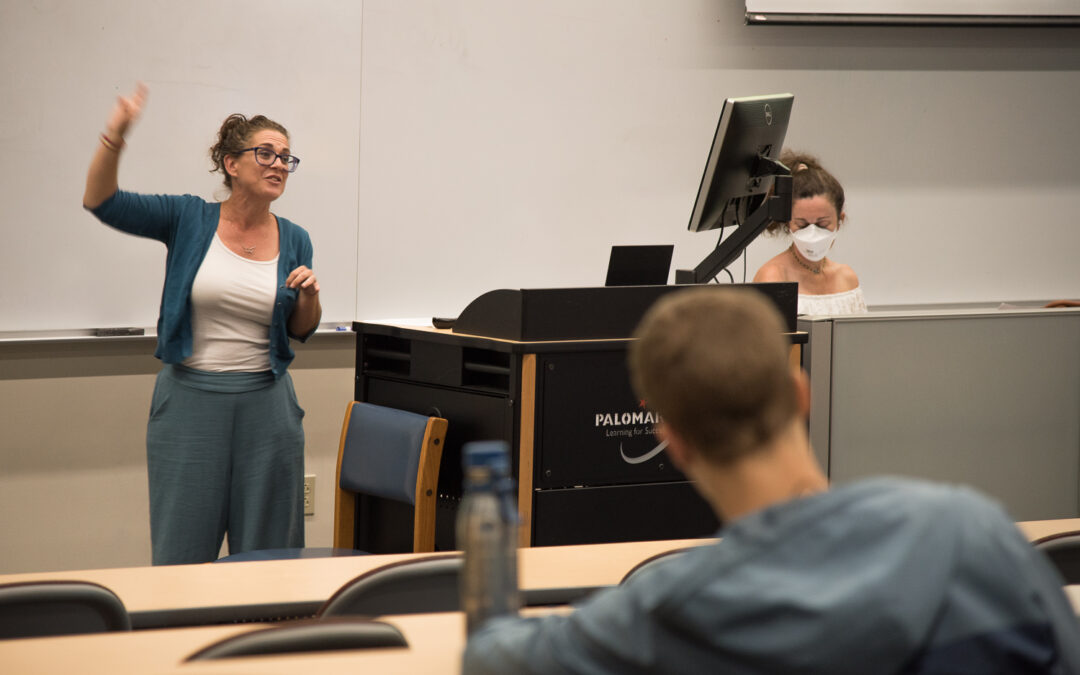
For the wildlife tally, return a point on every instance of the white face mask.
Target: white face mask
(813, 241)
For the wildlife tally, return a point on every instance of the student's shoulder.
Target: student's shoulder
(942, 505)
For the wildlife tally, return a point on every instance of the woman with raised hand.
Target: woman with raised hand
(817, 212)
(225, 442)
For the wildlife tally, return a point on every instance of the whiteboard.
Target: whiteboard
(64, 63)
(451, 147)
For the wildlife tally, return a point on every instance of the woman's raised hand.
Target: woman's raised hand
(125, 112)
(101, 177)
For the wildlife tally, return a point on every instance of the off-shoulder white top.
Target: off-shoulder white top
(847, 302)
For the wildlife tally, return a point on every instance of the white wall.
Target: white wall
(501, 144)
(510, 144)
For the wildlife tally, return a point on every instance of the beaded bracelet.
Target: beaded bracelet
(110, 143)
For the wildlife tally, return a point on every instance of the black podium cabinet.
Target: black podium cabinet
(544, 370)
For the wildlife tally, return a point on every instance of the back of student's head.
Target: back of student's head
(713, 362)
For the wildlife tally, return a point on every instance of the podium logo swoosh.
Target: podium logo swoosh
(642, 458)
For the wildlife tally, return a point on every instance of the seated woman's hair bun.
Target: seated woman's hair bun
(808, 179)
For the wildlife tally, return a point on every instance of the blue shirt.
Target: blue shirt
(186, 225)
(881, 576)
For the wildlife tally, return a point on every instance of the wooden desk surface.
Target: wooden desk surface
(435, 642)
(1037, 529)
(217, 592)
(435, 646)
(142, 651)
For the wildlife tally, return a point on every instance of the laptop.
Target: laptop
(639, 265)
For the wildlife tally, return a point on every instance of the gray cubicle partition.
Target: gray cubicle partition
(986, 397)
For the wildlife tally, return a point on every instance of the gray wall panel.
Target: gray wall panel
(992, 401)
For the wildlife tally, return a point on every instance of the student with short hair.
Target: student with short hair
(880, 576)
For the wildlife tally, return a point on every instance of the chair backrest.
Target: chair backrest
(33, 609)
(423, 585)
(393, 454)
(1063, 550)
(304, 636)
(652, 561)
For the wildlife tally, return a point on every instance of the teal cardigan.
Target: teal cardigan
(186, 225)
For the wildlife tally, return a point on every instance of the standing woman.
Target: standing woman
(225, 443)
(817, 211)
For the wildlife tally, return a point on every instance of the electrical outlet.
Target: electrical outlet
(309, 494)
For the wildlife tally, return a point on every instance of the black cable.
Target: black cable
(731, 277)
(718, 242)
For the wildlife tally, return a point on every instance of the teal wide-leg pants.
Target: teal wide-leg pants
(225, 453)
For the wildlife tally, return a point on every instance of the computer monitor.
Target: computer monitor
(639, 265)
(744, 184)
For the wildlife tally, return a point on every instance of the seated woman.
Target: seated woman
(817, 210)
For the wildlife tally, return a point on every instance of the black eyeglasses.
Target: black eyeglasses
(266, 157)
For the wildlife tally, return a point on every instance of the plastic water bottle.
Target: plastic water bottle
(487, 533)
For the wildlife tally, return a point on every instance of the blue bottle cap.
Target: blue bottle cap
(492, 454)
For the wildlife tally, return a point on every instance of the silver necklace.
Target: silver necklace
(250, 250)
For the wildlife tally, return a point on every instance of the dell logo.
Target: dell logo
(768, 115)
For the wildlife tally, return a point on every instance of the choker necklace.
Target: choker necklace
(815, 270)
(250, 250)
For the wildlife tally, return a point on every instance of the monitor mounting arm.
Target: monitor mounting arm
(777, 207)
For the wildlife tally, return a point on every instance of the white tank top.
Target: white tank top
(232, 302)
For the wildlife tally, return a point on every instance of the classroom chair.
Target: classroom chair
(1063, 550)
(46, 608)
(304, 636)
(390, 454)
(423, 585)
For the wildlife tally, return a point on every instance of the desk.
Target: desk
(1035, 530)
(145, 651)
(435, 642)
(435, 645)
(186, 595)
